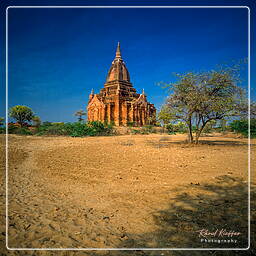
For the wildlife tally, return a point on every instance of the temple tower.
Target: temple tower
(118, 102)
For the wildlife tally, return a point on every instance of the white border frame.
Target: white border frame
(131, 249)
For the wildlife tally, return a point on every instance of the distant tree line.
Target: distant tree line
(27, 123)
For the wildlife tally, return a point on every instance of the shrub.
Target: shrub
(178, 127)
(57, 123)
(56, 130)
(170, 128)
(241, 126)
(2, 130)
(12, 128)
(98, 128)
(19, 130)
(1, 121)
(109, 130)
(41, 129)
(194, 128)
(23, 131)
(51, 129)
(36, 121)
(15, 128)
(135, 131)
(77, 129)
(46, 123)
(148, 129)
(208, 128)
(130, 124)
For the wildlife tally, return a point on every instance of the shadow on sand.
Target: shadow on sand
(215, 206)
(166, 142)
(222, 204)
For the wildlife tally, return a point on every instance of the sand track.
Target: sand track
(107, 191)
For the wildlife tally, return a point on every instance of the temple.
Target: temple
(118, 102)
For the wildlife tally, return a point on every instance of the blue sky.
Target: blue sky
(56, 56)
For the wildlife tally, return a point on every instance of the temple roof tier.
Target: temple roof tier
(118, 70)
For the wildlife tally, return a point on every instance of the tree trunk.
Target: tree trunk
(190, 135)
(21, 123)
(199, 133)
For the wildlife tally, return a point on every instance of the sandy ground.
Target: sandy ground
(136, 191)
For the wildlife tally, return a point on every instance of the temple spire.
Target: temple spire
(118, 52)
(91, 94)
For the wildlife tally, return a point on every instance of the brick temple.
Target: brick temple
(118, 102)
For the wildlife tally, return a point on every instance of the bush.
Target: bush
(57, 123)
(135, 131)
(130, 124)
(19, 130)
(143, 130)
(241, 126)
(2, 130)
(178, 127)
(208, 128)
(98, 128)
(108, 130)
(56, 130)
(77, 129)
(170, 128)
(23, 131)
(46, 123)
(51, 129)
(12, 128)
(1, 121)
(148, 129)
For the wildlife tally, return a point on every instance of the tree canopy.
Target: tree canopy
(198, 98)
(165, 115)
(79, 114)
(1, 121)
(21, 114)
(36, 121)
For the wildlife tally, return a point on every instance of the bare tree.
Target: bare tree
(80, 113)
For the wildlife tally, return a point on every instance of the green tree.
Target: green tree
(36, 121)
(242, 126)
(198, 98)
(210, 126)
(79, 114)
(165, 115)
(21, 114)
(223, 124)
(242, 110)
(1, 121)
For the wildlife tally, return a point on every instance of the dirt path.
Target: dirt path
(117, 191)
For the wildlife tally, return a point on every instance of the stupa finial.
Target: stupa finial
(118, 52)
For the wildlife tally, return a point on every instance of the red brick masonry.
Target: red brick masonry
(118, 102)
